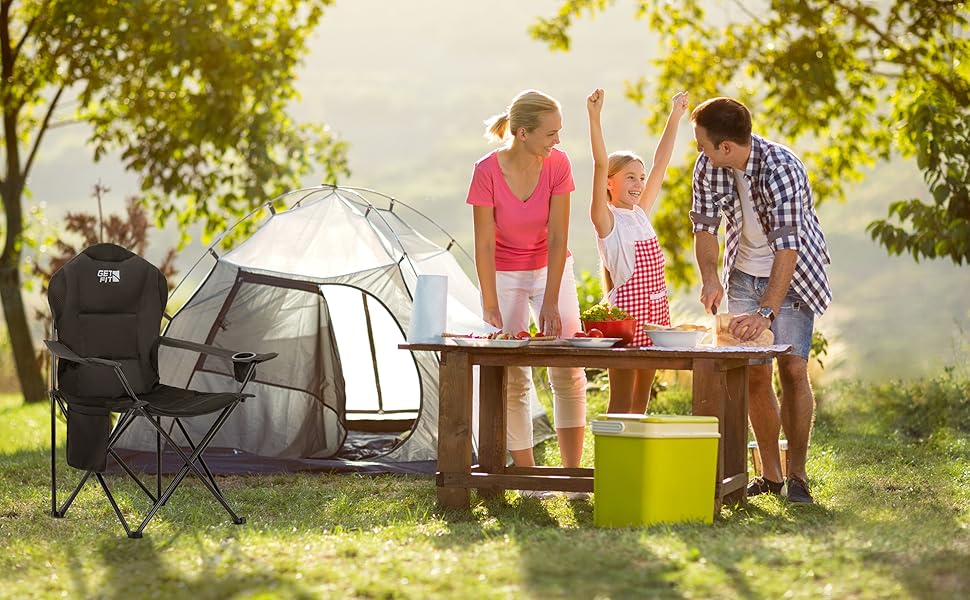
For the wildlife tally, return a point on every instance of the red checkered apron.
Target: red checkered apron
(644, 295)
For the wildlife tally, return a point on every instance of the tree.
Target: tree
(848, 81)
(191, 93)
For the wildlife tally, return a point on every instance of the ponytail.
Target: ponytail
(497, 127)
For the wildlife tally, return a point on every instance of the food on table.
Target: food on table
(594, 333)
(604, 312)
(723, 337)
(536, 337)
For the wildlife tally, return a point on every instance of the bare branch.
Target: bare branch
(44, 126)
(65, 123)
(748, 12)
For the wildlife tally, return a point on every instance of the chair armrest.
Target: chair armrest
(216, 351)
(60, 350)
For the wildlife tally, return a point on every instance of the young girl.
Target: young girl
(623, 194)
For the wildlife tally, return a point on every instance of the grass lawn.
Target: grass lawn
(892, 519)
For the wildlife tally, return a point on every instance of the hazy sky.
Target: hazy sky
(408, 84)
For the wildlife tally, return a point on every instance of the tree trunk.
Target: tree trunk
(28, 371)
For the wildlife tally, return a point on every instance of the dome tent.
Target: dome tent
(328, 284)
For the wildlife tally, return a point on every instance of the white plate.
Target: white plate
(552, 342)
(594, 342)
(485, 343)
(673, 338)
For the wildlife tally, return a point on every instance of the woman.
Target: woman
(520, 198)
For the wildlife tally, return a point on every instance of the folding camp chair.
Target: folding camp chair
(107, 305)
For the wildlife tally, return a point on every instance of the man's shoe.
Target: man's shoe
(797, 491)
(760, 485)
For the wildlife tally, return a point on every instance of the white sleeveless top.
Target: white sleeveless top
(617, 249)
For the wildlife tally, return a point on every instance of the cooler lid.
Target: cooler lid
(656, 426)
(656, 418)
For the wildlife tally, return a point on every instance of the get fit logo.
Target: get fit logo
(107, 276)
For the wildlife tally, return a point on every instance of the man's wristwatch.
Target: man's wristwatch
(766, 312)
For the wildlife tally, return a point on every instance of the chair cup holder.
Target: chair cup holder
(241, 362)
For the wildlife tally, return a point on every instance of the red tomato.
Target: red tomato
(580, 334)
(522, 335)
(594, 333)
(540, 334)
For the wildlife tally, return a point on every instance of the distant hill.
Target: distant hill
(408, 84)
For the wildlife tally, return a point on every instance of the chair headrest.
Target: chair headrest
(108, 253)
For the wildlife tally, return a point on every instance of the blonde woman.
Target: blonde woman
(520, 199)
(623, 194)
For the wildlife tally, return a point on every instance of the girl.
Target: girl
(520, 198)
(632, 259)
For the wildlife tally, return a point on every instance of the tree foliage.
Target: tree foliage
(191, 93)
(848, 82)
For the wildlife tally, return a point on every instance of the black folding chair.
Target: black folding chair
(107, 306)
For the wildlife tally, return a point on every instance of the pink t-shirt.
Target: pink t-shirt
(521, 227)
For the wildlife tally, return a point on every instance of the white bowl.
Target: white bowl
(673, 338)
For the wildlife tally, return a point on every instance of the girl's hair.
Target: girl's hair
(618, 160)
(525, 111)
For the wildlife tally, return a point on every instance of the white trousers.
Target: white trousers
(519, 294)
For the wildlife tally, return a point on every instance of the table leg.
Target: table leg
(708, 400)
(454, 426)
(491, 424)
(735, 433)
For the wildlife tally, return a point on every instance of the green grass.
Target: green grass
(892, 520)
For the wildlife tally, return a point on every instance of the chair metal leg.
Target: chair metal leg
(189, 464)
(202, 462)
(158, 459)
(54, 512)
(132, 474)
(62, 511)
(114, 505)
(123, 422)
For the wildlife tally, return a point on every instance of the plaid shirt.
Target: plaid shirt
(783, 200)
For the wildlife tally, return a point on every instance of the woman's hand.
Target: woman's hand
(549, 322)
(492, 316)
(679, 104)
(594, 103)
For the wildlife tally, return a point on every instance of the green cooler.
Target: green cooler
(653, 469)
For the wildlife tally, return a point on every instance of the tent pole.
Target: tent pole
(373, 354)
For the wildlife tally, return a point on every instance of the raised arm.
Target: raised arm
(661, 156)
(599, 211)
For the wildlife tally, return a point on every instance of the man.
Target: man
(774, 271)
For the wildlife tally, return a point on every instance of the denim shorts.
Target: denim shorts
(792, 325)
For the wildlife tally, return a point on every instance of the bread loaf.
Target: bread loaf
(723, 337)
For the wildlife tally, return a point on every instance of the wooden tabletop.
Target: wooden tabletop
(713, 352)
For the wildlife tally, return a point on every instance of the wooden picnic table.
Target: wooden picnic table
(720, 389)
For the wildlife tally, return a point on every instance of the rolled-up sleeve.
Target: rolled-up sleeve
(786, 189)
(705, 213)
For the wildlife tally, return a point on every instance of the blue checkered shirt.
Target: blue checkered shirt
(783, 201)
